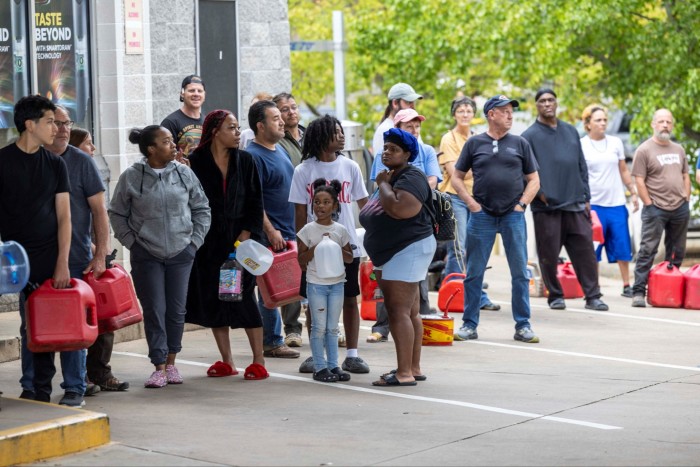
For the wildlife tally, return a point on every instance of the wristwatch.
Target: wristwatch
(522, 205)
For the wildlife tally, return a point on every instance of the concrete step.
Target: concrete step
(32, 431)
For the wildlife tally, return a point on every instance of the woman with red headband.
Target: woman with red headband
(231, 182)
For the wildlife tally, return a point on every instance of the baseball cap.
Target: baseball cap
(499, 101)
(189, 80)
(406, 115)
(403, 91)
(404, 140)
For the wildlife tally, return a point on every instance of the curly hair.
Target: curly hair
(319, 135)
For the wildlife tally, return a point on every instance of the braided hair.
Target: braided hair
(333, 188)
(212, 122)
(318, 136)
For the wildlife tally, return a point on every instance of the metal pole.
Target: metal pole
(339, 65)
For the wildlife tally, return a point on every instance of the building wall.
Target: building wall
(139, 90)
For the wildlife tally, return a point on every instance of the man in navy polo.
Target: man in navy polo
(505, 182)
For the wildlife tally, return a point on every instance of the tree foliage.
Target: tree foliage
(637, 55)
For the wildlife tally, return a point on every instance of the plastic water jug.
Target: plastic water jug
(451, 294)
(598, 237)
(253, 256)
(328, 258)
(117, 305)
(665, 287)
(692, 288)
(536, 285)
(370, 292)
(61, 319)
(231, 280)
(280, 284)
(14, 267)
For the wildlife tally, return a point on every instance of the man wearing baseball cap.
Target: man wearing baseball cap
(499, 162)
(185, 124)
(562, 209)
(401, 96)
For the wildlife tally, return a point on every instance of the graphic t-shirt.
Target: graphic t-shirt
(28, 187)
(186, 131)
(662, 167)
(348, 173)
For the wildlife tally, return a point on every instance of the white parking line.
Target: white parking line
(386, 393)
(588, 355)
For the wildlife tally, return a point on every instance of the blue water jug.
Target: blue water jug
(14, 267)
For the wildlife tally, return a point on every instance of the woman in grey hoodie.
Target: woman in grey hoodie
(160, 213)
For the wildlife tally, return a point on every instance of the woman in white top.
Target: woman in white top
(607, 177)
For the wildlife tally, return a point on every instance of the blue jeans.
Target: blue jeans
(272, 325)
(482, 229)
(325, 305)
(453, 264)
(72, 363)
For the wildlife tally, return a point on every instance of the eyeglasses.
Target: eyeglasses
(68, 124)
(495, 146)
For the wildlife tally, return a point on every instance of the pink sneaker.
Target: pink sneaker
(173, 375)
(157, 380)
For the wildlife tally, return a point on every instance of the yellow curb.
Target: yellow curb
(53, 437)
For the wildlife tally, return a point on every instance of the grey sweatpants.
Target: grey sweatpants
(161, 285)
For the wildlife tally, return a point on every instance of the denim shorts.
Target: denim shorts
(411, 263)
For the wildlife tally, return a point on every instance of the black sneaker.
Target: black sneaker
(28, 395)
(355, 365)
(627, 292)
(72, 399)
(91, 389)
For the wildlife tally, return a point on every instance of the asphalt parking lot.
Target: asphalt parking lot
(602, 388)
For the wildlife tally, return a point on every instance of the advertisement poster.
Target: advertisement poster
(61, 45)
(13, 62)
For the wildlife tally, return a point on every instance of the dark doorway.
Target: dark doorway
(218, 53)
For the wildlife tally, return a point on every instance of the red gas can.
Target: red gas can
(280, 284)
(117, 305)
(61, 319)
(665, 288)
(597, 229)
(370, 292)
(568, 280)
(451, 293)
(692, 288)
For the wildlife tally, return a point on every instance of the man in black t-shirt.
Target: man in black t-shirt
(185, 124)
(505, 181)
(35, 212)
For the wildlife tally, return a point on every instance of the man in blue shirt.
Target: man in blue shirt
(276, 171)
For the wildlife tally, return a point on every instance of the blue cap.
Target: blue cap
(404, 140)
(498, 101)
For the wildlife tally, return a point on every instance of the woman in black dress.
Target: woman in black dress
(231, 182)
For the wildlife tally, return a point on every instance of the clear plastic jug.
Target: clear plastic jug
(14, 267)
(328, 258)
(253, 256)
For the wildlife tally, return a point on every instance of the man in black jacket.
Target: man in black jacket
(561, 210)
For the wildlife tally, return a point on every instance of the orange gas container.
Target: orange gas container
(451, 293)
(665, 287)
(692, 288)
(117, 305)
(61, 319)
(370, 292)
(280, 284)
(568, 280)
(597, 228)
